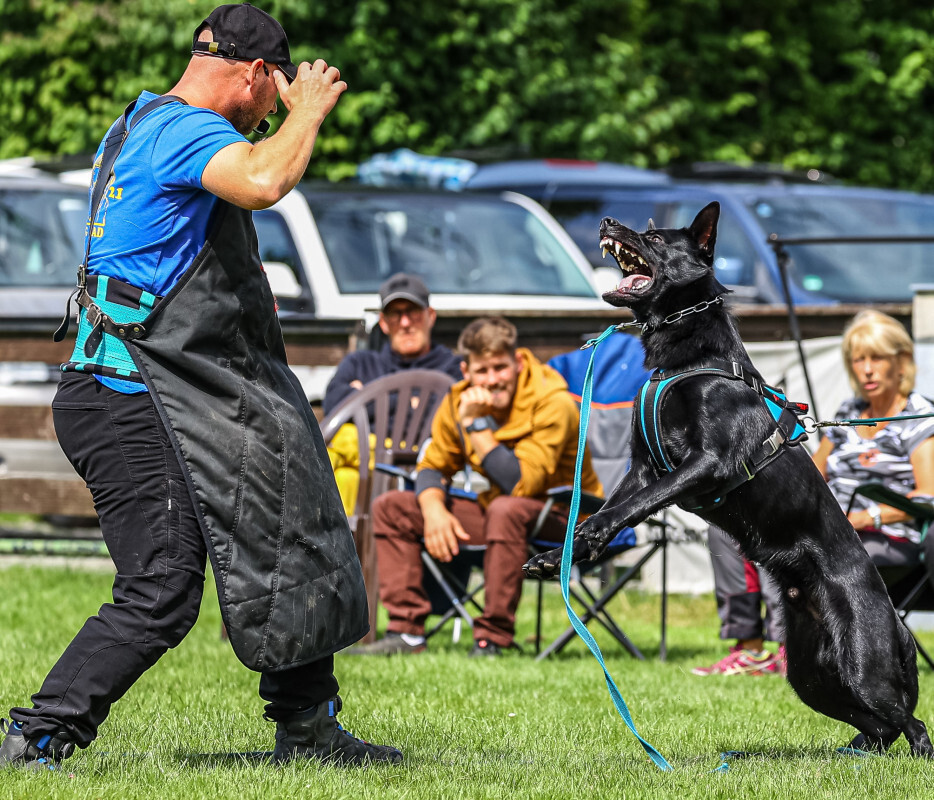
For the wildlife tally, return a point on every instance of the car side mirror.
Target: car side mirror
(282, 279)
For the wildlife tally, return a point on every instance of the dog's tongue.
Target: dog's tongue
(632, 282)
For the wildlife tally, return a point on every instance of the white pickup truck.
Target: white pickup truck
(326, 250)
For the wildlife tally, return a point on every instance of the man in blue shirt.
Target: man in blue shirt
(180, 412)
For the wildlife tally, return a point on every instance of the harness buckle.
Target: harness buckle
(774, 441)
(94, 314)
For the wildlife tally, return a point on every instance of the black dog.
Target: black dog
(848, 654)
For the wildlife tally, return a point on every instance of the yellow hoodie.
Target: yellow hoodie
(542, 430)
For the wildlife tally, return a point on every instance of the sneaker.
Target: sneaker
(741, 662)
(316, 734)
(484, 647)
(40, 754)
(390, 645)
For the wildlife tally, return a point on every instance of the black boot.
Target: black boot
(316, 733)
(37, 754)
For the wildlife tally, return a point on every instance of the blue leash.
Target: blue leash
(576, 622)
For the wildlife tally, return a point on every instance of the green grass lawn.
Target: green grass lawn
(469, 728)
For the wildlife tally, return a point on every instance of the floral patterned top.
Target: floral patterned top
(885, 458)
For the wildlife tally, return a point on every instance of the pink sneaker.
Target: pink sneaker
(741, 662)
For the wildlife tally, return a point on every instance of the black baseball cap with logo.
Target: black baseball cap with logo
(244, 33)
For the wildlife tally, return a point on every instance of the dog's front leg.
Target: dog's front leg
(546, 565)
(629, 505)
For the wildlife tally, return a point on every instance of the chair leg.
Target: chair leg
(924, 653)
(602, 616)
(538, 617)
(663, 642)
(455, 601)
(559, 643)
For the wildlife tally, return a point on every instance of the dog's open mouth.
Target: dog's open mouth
(637, 274)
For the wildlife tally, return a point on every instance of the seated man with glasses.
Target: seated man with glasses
(406, 318)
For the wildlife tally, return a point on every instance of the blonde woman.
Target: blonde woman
(879, 358)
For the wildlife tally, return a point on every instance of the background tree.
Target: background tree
(841, 85)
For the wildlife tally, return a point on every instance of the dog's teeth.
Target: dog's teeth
(618, 246)
(604, 252)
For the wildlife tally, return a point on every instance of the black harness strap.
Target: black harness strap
(100, 322)
(788, 432)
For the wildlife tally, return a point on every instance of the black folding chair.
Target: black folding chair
(594, 606)
(910, 588)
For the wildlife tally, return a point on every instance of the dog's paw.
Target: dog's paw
(548, 565)
(544, 565)
(592, 537)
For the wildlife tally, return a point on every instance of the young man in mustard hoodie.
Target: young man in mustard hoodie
(513, 421)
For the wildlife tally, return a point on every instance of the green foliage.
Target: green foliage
(841, 85)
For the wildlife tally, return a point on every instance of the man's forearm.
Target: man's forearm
(278, 163)
(431, 499)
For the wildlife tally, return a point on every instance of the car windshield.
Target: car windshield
(458, 244)
(41, 236)
(855, 273)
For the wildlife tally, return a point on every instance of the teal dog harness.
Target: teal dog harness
(110, 311)
(787, 414)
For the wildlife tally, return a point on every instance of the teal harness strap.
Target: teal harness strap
(576, 622)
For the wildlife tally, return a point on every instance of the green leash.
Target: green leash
(812, 425)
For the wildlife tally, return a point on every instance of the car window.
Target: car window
(41, 236)
(734, 253)
(275, 241)
(458, 244)
(855, 272)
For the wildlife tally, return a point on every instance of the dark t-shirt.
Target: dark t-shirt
(368, 365)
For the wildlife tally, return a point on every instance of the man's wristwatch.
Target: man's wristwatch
(875, 513)
(481, 424)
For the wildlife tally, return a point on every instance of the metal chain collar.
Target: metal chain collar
(648, 327)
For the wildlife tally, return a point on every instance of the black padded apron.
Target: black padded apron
(288, 576)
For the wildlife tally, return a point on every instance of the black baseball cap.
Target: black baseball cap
(244, 33)
(402, 286)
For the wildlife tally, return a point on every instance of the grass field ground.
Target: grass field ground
(470, 728)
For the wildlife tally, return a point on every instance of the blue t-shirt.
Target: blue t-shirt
(154, 218)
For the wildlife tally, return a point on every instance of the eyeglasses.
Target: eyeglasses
(414, 313)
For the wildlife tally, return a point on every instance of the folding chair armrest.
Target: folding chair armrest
(407, 476)
(396, 471)
(879, 493)
(589, 503)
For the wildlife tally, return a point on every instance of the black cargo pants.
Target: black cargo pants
(118, 444)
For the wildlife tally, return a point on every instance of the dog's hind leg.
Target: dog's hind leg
(917, 735)
(915, 732)
(874, 742)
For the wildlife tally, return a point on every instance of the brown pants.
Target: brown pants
(503, 527)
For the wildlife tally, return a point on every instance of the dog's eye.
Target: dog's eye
(654, 237)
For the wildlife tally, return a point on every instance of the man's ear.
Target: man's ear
(704, 227)
(464, 369)
(432, 315)
(520, 360)
(383, 325)
(253, 71)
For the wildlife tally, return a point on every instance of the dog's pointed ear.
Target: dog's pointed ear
(704, 227)
(651, 225)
